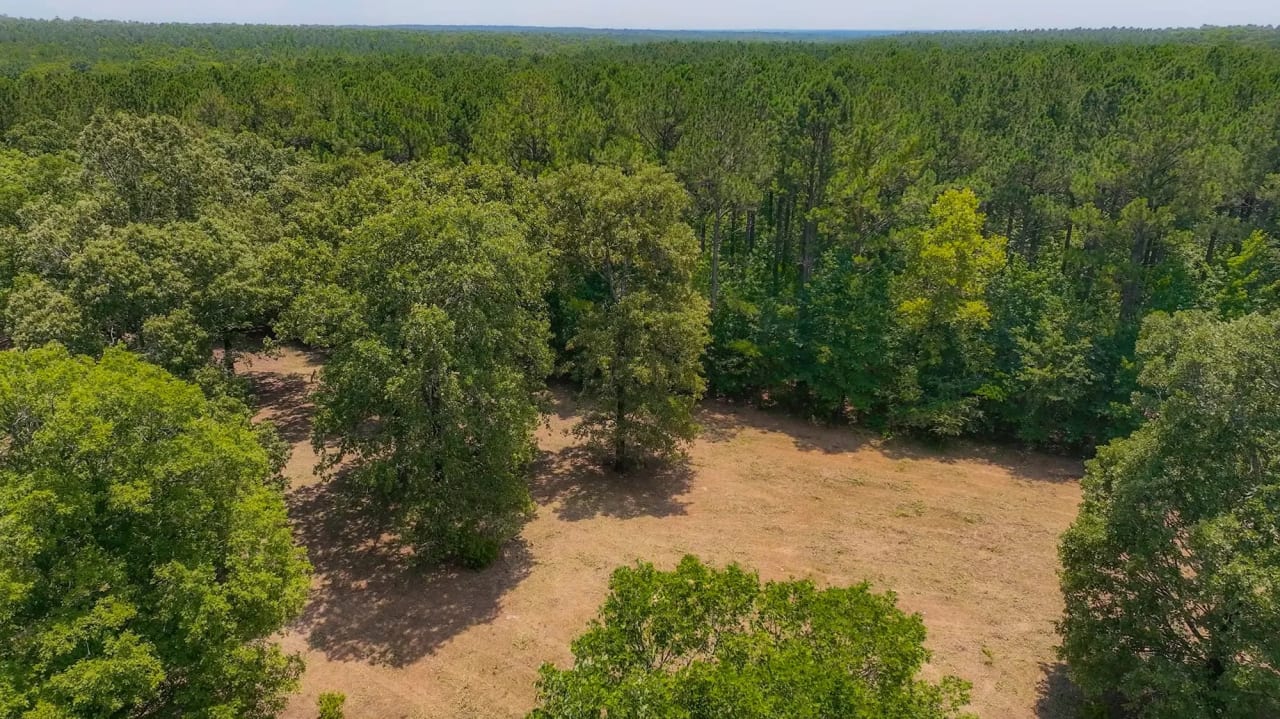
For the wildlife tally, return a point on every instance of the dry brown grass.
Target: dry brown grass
(966, 536)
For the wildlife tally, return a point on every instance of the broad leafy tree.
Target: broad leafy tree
(703, 642)
(145, 557)
(439, 341)
(1171, 573)
(635, 324)
(942, 311)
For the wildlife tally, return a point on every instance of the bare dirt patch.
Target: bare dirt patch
(966, 536)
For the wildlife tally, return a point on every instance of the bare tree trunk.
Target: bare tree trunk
(620, 459)
(1131, 288)
(715, 260)
(778, 258)
(788, 211)
(808, 240)
(228, 357)
(1066, 246)
(732, 236)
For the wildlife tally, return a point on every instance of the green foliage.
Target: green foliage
(439, 351)
(330, 705)
(949, 263)
(942, 312)
(165, 247)
(1171, 572)
(171, 189)
(637, 325)
(152, 166)
(847, 333)
(1252, 278)
(146, 559)
(176, 342)
(701, 642)
(36, 313)
(1129, 170)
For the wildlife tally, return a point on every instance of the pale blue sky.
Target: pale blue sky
(673, 14)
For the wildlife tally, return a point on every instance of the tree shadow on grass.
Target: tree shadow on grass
(1058, 696)
(577, 482)
(285, 400)
(1022, 463)
(368, 602)
(722, 422)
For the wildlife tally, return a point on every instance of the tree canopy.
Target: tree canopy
(634, 322)
(1172, 571)
(146, 556)
(703, 642)
(439, 350)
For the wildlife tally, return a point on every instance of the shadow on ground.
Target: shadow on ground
(369, 603)
(1058, 697)
(288, 399)
(722, 422)
(580, 486)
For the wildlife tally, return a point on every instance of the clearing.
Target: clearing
(966, 536)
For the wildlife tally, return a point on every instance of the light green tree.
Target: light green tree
(636, 326)
(699, 642)
(35, 313)
(1252, 281)
(145, 557)
(1171, 572)
(942, 311)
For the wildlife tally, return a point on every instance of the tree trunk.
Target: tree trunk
(1131, 288)
(228, 357)
(620, 459)
(731, 237)
(715, 260)
(778, 229)
(1066, 245)
(807, 249)
(787, 211)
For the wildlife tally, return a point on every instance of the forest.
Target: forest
(1059, 241)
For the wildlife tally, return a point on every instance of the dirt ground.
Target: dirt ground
(965, 536)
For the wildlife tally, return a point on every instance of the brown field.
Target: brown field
(966, 536)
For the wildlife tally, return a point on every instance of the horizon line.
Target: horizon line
(602, 28)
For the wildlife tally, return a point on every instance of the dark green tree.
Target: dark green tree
(636, 324)
(1171, 573)
(439, 339)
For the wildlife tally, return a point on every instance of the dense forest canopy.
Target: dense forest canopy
(957, 234)
(1122, 173)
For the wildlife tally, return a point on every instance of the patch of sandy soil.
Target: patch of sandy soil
(966, 536)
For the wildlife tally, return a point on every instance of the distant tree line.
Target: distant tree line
(1061, 239)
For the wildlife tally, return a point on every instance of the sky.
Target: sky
(678, 14)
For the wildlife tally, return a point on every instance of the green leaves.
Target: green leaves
(439, 339)
(948, 267)
(701, 642)
(941, 310)
(635, 327)
(1169, 573)
(146, 555)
